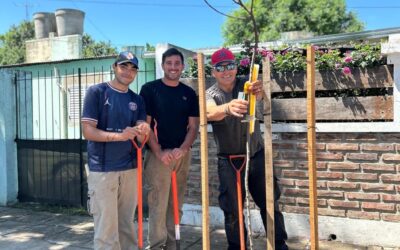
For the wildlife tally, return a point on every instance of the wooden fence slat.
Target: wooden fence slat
(377, 77)
(269, 171)
(311, 148)
(331, 108)
(203, 154)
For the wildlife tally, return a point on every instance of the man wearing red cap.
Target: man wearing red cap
(113, 115)
(226, 111)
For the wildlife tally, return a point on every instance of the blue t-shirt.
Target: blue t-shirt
(113, 111)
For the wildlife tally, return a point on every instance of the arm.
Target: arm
(163, 155)
(193, 130)
(92, 133)
(236, 107)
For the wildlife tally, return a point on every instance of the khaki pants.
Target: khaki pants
(160, 200)
(113, 200)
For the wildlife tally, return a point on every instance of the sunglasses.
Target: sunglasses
(222, 68)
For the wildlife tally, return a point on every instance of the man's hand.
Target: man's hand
(142, 128)
(129, 133)
(178, 153)
(166, 157)
(237, 107)
(256, 88)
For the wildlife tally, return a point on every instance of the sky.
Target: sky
(189, 24)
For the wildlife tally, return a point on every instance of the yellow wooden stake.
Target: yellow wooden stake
(203, 152)
(269, 171)
(252, 98)
(312, 170)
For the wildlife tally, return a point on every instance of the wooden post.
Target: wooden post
(312, 170)
(269, 171)
(203, 152)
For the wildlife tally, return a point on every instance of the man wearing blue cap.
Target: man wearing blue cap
(113, 115)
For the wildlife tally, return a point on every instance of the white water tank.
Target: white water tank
(45, 22)
(69, 22)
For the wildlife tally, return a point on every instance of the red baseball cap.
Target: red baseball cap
(222, 55)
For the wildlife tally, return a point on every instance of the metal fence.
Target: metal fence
(51, 150)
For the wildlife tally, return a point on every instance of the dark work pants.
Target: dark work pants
(228, 199)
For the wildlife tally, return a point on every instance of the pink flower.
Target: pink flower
(348, 59)
(264, 53)
(346, 70)
(245, 62)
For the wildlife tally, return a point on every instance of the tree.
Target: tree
(92, 48)
(12, 43)
(321, 17)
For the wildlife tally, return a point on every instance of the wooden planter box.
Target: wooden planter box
(349, 108)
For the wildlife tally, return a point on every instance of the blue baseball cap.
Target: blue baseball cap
(127, 57)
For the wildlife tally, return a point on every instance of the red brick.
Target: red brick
(343, 166)
(304, 146)
(377, 147)
(293, 155)
(343, 204)
(286, 182)
(378, 206)
(329, 137)
(287, 200)
(295, 192)
(304, 164)
(283, 164)
(284, 145)
(329, 156)
(330, 194)
(363, 215)
(295, 174)
(330, 175)
(306, 202)
(296, 209)
(362, 137)
(304, 183)
(343, 185)
(362, 196)
(390, 178)
(391, 217)
(390, 198)
(293, 136)
(362, 156)
(342, 146)
(361, 177)
(378, 167)
(377, 187)
(390, 137)
(331, 212)
(391, 157)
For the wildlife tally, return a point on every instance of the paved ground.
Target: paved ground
(27, 229)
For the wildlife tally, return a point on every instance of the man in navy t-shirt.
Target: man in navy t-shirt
(113, 115)
(173, 112)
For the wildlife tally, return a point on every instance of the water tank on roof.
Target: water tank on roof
(69, 22)
(45, 22)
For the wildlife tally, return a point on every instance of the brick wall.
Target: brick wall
(358, 174)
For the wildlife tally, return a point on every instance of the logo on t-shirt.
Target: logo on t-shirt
(107, 103)
(132, 106)
(184, 98)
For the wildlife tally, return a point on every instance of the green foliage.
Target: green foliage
(291, 59)
(150, 47)
(191, 69)
(12, 43)
(92, 48)
(273, 17)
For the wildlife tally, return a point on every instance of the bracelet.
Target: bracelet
(226, 110)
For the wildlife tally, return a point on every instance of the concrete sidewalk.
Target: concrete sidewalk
(27, 229)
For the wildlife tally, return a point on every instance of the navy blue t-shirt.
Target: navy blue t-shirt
(171, 108)
(113, 111)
